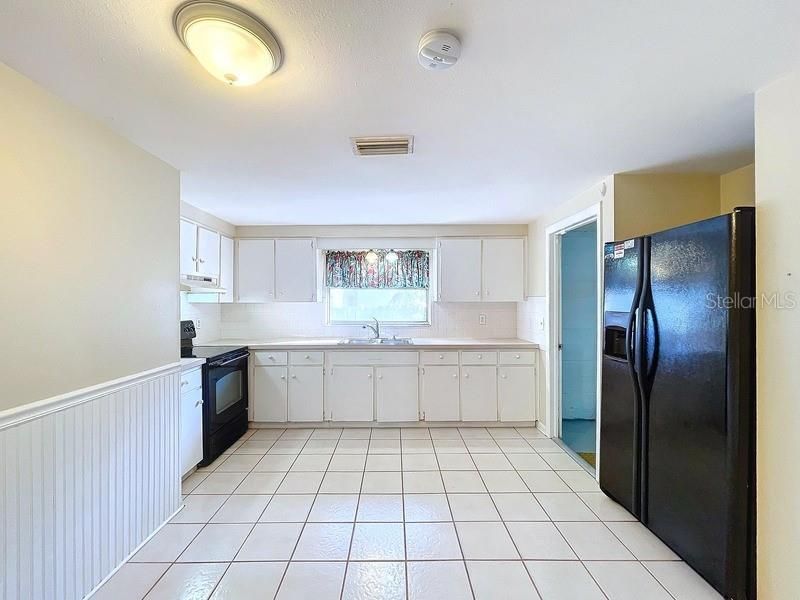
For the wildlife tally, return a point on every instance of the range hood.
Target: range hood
(201, 284)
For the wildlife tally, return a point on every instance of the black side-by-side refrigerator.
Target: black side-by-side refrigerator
(677, 426)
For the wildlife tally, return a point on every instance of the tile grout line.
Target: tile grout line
(355, 518)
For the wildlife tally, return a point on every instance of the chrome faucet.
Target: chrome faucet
(376, 329)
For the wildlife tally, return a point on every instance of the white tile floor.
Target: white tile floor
(411, 513)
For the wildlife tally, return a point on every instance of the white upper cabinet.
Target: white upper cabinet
(256, 270)
(207, 252)
(481, 270)
(460, 270)
(188, 248)
(503, 270)
(295, 270)
(226, 269)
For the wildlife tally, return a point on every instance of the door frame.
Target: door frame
(553, 233)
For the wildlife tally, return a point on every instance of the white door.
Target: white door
(503, 270)
(397, 392)
(226, 269)
(478, 393)
(459, 270)
(191, 433)
(270, 394)
(295, 270)
(208, 252)
(188, 248)
(349, 394)
(515, 390)
(439, 393)
(305, 393)
(256, 270)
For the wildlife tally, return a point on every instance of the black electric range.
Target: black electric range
(224, 392)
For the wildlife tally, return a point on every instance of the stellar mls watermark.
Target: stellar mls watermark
(776, 300)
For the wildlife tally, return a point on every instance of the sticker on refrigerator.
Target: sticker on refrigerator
(619, 250)
(628, 244)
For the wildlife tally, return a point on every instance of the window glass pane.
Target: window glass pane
(386, 305)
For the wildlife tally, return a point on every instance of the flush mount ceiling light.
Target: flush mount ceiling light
(230, 43)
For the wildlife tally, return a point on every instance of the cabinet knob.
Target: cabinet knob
(198, 403)
(454, 375)
(480, 356)
(477, 293)
(283, 376)
(380, 376)
(516, 356)
(369, 376)
(183, 383)
(307, 357)
(466, 375)
(441, 356)
(503, 375)
(294, 376)
(194, 259)
(270, 357)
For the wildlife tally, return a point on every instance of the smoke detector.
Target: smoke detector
(438, 50)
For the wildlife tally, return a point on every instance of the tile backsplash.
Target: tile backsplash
(306, 319)
(531, 316)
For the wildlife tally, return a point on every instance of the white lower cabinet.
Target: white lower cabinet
(305, 394)
(439, 397)
(349, 393)
(191, 420)
(397, 393)
(270, 394)
(516, 388)
(478, 393)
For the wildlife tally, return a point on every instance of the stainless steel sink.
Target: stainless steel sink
(393, 341)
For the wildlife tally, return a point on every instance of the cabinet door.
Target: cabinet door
(295, 270)
(397, 393)
(479, 393)
(503, 270)
(191, 440)
(256, 271)
(270, 394)
(349, 394)
(305, 394)
(516, 389)
(208, 252)
(459, 270)
(226, 269)
(188, 248)
(439, 393)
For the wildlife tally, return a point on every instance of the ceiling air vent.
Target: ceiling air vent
(381, 146)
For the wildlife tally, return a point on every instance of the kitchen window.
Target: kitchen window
(392, 286)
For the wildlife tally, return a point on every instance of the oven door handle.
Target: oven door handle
(229, 361)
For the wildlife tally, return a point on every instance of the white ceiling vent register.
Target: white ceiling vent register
(383, 145)
(438, 50)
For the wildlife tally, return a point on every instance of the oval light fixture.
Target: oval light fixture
(372, 257)
(230, 43)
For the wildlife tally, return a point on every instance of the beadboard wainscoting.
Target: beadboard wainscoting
(85, 479)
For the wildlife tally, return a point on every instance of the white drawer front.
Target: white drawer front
(523, 357)
(358, 357)
(307, 358)
(266, 358)
(191, 380)
(439, 358)
(482, 357)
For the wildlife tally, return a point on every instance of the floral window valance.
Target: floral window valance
(354, 269)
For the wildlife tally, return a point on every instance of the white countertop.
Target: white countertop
(191, 363)
(333, 344)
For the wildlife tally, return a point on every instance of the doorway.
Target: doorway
(578, 340)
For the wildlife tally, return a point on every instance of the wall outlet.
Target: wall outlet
(197, 324)
(540, 323)
(481, 319)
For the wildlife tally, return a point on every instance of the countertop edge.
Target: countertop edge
(191, 363)
(312, 344)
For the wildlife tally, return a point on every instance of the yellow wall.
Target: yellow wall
(737, 188)
(646, 203)
(88, 253)
(777, 123)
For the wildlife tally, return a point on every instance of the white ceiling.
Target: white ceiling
(549, 96)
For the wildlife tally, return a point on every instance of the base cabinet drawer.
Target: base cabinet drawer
(267, 358)
(349, 394)
(397, 394)
(523, 357)
(307, 358)
(447, 357)
(478, 393)
(439, 393)
(479, 358)
(516, 393)
(305, 394)
(270, 394)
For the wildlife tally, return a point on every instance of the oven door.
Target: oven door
(226, 391)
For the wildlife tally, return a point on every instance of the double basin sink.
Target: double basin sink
(393, 341)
